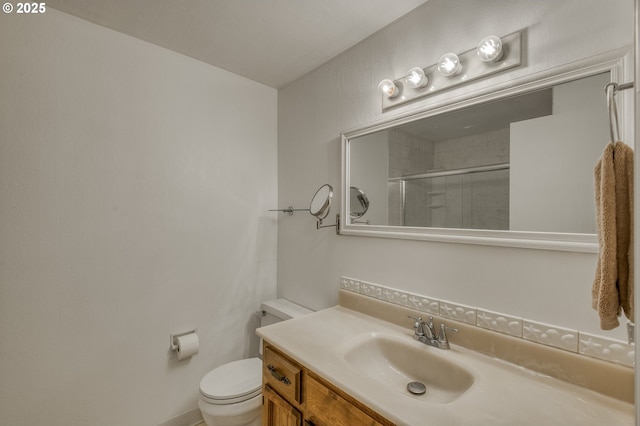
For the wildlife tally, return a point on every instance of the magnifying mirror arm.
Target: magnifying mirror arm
(337, 224)
(289, 210)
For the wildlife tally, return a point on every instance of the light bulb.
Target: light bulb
(416, 78)
(388, 88)
(490, 49)
(449, 65)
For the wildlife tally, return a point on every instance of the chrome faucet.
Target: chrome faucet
(425, 333)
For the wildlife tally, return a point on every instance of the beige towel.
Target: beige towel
(613, 285)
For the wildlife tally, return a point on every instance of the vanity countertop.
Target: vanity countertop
(501, 393)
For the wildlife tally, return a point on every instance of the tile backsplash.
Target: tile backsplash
(562, 338)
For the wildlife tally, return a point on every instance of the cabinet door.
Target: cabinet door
(278, 412)
(326, 408)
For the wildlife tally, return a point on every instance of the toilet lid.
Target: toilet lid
(233, 382)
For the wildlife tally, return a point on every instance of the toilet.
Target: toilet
(231, 394)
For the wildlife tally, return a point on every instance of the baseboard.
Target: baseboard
(190, 418)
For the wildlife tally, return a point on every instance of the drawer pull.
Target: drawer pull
(279, 377)
(308, 423)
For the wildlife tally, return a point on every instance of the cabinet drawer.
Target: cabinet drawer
(326, 408)
(282, 375)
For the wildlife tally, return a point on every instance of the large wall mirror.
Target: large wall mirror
(513, 169)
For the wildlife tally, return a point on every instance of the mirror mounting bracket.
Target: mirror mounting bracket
(337, 224)
(289, 210)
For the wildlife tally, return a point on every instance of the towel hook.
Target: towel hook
(610, 89)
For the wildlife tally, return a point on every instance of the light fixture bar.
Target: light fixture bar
(472, 69)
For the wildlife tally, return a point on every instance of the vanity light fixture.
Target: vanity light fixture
(388, 88)
(416, 78)
(490, 49)
(449, 65)
(492, 55)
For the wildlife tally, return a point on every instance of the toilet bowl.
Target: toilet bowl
(231, 395)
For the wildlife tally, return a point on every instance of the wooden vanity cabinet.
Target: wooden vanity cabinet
(295, 396)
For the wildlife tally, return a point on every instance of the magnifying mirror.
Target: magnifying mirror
(320, 206)
(358, 202)
(321, 202)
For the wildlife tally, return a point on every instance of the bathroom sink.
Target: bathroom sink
(396, 361)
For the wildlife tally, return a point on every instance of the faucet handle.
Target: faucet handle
(442, 337)
(417, 325)
(418, 321)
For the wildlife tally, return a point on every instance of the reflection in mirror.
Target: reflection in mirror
(359, 203)
(522, 163)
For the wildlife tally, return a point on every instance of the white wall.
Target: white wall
(372, 174)
(548, 286)
(134, 188)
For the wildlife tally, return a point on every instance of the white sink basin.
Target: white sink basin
(394, 361)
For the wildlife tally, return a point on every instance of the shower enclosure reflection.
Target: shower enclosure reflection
(470, 198)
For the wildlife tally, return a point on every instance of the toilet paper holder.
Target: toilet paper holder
(173, 338)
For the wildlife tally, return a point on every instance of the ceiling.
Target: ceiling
(482, 118)
(273, 42)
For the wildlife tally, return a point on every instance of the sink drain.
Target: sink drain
(416, 388)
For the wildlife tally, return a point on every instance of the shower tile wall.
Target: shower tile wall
(486, 200)
(474, 150)
(394, 198)
(409, 155)
(479, 200)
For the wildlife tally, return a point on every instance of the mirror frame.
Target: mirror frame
(618, 63)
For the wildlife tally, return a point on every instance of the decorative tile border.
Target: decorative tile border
(550, 335)
(499, 322)
(546, 334)
(458, 312)
(611, 350)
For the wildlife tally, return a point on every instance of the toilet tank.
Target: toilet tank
(277, 310)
